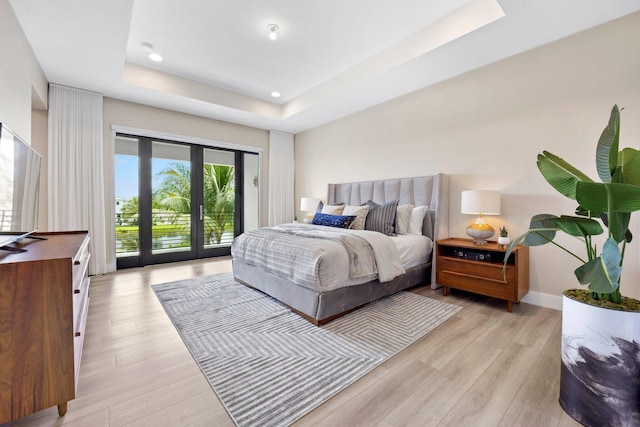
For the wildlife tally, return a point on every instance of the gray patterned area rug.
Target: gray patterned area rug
(268, 366)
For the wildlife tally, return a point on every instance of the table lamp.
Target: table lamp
(480, 202)
(309, 205)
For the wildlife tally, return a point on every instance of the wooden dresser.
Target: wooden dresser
(44, 298)
(461, 264)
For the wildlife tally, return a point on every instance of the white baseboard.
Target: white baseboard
(535, 298)
(544, 300)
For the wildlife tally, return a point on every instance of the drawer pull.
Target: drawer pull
(76, 291)
(78, 334)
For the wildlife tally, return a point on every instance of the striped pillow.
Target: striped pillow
(382, 218)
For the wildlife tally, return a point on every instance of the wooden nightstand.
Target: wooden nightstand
(462, 265)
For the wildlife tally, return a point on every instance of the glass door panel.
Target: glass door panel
(170, 197)
(217, 210)
(127, 206)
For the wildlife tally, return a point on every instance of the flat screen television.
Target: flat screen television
(19, 187)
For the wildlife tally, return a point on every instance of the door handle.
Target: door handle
(201, 213)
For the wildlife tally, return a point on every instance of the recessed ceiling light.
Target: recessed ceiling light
(273, 31)
(152, 54)
(275, 94)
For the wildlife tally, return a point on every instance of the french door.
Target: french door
(178, 201)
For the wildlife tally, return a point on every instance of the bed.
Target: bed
(298, 265)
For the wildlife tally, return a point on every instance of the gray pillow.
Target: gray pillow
(382, 218)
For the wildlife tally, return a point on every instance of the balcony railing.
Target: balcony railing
(170, 231)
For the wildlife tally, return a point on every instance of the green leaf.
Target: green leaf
(619, 226)
(542, 230)
(581, 211)
(630, 161)
(560, 174)
(515, 242)
(608, 198)
(614, 202)
(607, 150)
(579, 227)
(602, 274)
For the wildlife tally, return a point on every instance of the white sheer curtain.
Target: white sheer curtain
(76, 178)
(281, 178)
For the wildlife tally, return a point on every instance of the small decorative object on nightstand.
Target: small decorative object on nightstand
(503, 239)
(461, 264)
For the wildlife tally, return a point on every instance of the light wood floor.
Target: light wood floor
(483, 367)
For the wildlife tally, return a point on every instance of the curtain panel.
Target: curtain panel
(76, 178)
(281, 178)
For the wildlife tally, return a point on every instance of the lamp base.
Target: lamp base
(480, 232)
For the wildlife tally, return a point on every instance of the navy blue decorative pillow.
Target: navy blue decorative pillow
(382, 218)
(338, 221)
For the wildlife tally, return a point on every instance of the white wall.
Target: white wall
(22, 82)
(485, 129)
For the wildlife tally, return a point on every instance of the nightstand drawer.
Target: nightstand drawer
(476, 284)
(486, 270)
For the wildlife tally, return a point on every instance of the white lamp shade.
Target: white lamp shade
(309, 204)
(485, 202)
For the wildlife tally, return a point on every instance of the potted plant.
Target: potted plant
(600, 375)
(503, 238)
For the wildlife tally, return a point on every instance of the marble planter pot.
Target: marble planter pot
(504, 241)
(600, 373)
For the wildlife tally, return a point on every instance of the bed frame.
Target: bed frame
(322, 307)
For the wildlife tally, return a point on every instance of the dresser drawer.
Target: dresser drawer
(80, 300)
(80, 268)
(78, 339)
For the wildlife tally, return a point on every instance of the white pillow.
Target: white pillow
(333, 209)
(403, 216)
(361, 215)
(417, 219)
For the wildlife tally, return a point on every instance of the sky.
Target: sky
(127, 174)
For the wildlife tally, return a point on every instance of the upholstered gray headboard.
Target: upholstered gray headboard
(432, 191)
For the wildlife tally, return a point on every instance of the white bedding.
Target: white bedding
(325, 265)
(414, 249)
